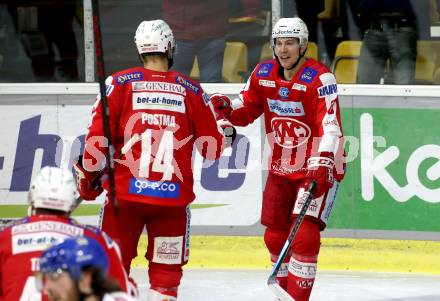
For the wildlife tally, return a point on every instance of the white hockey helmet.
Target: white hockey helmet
(291, 28)
(154, 36)
(53, 188)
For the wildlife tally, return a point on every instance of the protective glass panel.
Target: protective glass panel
(217, 41)
(41, 41)
(375, 41)
(371, 42)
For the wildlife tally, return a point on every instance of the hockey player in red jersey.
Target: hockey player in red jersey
(156, 117)
(298, 97)
(52, 198)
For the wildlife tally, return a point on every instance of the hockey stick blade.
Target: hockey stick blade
(278, 290)
(272, 281)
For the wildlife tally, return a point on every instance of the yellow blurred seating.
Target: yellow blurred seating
(428, 61)
(312, 50)
(331, 10)
(235, 63)
(266, 52)
(345, 62)
(195, 71)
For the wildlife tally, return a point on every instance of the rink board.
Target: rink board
(392, 183)
(336, 254)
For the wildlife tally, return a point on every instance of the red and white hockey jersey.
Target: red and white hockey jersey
(155, 120)
(301, 115)
(22, 243)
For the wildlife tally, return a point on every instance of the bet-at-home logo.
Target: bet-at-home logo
(374, 165)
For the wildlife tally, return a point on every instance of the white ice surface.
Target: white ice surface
(250, 285)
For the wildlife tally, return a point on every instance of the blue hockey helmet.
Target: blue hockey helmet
(73, 255)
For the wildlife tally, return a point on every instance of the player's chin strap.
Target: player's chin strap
(301, 55)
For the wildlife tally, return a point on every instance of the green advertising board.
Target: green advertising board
(393, 171)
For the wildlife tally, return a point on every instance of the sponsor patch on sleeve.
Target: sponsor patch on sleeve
(264, 69)
(308, 75)
(188, 84)
(329, 87)
(327, 90)
(129, 77)
(206, 98)
(109, 85)
(168, 250)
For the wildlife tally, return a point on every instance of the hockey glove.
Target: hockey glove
(229, 131)
(222, 105)
(320, 169)
(88, 183)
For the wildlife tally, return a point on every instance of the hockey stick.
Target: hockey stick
(104, 105)
(272, 280)
(4, 222)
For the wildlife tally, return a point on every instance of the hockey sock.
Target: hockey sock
(301, 276)
(303, 262)
(164, 282)
(274, 240)
(162, 294)
(282, 273)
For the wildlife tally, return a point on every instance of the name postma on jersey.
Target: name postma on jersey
(158, 119)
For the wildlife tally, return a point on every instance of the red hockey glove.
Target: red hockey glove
(229, 131)
(88, 183)
(222, 105)
(320, 169)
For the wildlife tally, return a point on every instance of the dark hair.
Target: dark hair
(41, 211)
(144, 56)
(150, 54)
(102, 284)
